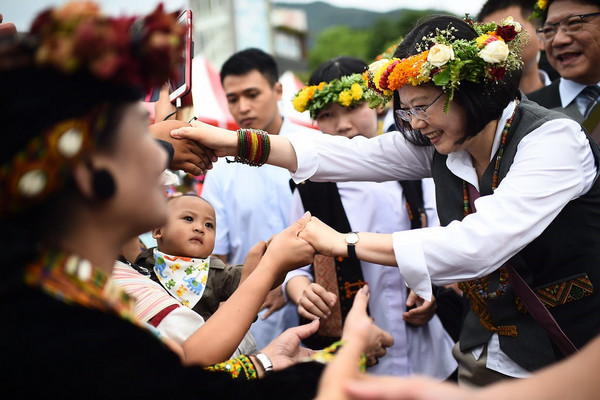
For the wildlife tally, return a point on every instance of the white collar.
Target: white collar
(460, 162)
(569, 90)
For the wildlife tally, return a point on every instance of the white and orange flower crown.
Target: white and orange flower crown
(446, 61)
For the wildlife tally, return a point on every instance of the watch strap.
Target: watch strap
(265, 361)
(351, 251)
(352, 247)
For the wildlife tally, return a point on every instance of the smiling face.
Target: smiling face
(348, 121)
(443, 130)
(253, 101)
(577, 56)
(190, 228)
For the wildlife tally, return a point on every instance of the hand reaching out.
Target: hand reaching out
(287, 251)
(221, 141)
(323, 238)
(357, 333)
(285, 349)
(190, 156)
(423, 311)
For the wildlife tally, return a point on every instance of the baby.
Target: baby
(182, 264)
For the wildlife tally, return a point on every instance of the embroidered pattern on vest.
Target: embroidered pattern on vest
(477, 292)
(566, 292)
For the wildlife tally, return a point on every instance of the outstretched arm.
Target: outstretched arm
(232, 320)
(225, 143)
(376, 248)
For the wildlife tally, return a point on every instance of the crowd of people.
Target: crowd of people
(452, 256)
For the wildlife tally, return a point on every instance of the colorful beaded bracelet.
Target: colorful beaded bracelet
(253, 147)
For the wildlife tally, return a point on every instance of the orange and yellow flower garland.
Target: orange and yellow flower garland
(346, 91)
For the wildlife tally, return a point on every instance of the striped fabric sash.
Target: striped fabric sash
(151, 298)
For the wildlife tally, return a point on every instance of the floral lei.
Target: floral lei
(346, 91)
(76, 37)
(446, 61)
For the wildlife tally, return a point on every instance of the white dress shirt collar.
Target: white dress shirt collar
(460, 162)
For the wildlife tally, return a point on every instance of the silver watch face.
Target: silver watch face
(351, 238)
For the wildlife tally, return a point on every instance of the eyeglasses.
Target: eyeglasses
(419, 112)
(569, 25)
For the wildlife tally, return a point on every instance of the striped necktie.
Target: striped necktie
(592, 95)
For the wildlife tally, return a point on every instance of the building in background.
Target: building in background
(223, 27)
(289, 29)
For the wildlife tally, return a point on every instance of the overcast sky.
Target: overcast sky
(21, 12)
(458, 7)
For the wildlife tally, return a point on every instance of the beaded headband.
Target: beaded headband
(347, 91)
(120, 55)
(446, 61)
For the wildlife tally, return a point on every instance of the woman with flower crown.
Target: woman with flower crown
(80, 174)
(516, 188)
(421, 344)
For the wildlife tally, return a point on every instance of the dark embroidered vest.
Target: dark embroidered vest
(562, 265)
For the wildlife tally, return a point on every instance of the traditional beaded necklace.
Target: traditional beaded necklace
(74, 280)
(466, 201)
(477, 289)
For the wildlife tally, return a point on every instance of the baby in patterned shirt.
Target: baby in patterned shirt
(181, 262)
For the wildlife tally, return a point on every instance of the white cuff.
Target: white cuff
(409, 255)
(306, 156)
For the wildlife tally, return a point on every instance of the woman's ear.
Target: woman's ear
(94, 183)
(82, 174)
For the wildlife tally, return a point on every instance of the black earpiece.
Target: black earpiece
(103, 184)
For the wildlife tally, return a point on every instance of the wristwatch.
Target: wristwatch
(351, 240)
(265, 362)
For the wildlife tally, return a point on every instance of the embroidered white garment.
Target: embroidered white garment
(183, 277)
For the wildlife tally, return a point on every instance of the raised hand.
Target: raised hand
(356, 337)
(287, 251)
(315, 302)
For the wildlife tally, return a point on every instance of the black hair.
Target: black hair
(483, 102)
(491, 6)
(590, 2)
(336, 68)
(190, 194)
(249, 60)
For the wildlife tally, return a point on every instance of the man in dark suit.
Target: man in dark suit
(571, 38)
